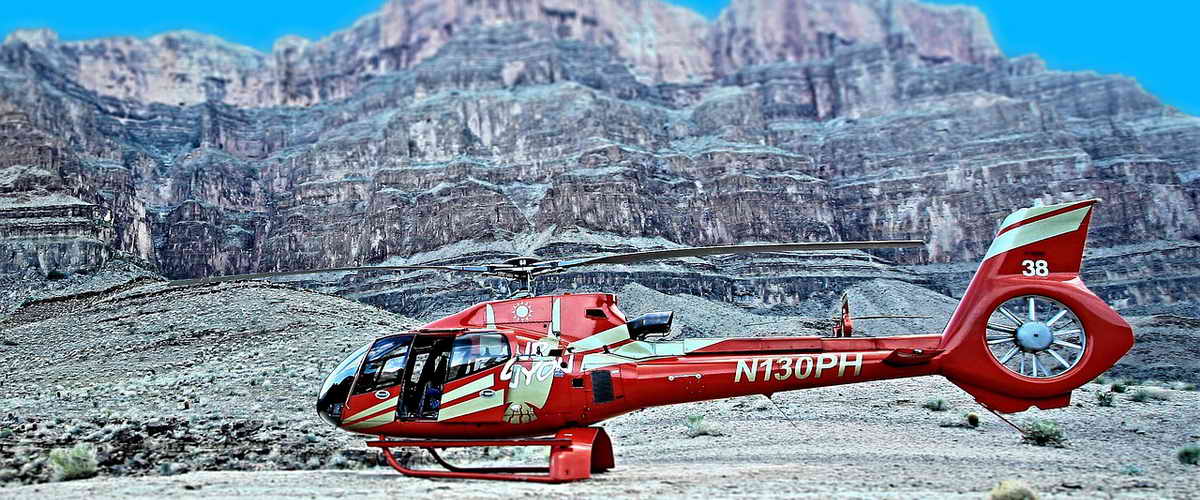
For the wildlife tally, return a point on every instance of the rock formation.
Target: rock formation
(483, 128)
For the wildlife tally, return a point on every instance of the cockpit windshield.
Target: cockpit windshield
(336, 387)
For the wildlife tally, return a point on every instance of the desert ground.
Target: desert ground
(206, 392)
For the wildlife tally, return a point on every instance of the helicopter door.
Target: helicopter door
(474, 391)
(427, 364)
(377, 389)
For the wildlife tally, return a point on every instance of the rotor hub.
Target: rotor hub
(1034, 336)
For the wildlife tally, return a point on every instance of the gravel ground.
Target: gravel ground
(207, 392)
(866, 441)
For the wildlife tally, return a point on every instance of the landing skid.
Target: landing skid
(574, 454)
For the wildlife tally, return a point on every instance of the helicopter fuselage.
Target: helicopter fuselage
(532, 366)
(1026, 333)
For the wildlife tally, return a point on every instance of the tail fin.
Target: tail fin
(1027, 331)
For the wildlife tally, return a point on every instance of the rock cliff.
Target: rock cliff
(488, 128)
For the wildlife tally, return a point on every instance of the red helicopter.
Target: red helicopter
(511, 372)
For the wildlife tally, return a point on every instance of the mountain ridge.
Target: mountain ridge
(661, 41)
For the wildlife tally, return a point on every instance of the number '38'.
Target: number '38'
(1035, 268)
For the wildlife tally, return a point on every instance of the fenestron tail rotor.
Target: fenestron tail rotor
(524, 269)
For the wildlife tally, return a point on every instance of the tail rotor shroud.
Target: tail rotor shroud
(1028, 331)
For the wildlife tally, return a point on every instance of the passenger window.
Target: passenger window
(475, 352)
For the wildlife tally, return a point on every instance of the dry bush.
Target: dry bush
(1044, 433)
(938, 404)
(78, 462)
(698, 427)
(973, 419)
(1012, 489)
(1143, 395)
(1189, 455)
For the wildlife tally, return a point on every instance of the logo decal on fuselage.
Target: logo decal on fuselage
(518, 374)
(797, 367)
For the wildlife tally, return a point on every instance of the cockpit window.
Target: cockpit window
(385, 365)
(475, 352)
(344, 370)
(385, 346)
(336, 388)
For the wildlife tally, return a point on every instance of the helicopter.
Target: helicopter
(544, 370)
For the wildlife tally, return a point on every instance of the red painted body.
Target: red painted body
(590, 335)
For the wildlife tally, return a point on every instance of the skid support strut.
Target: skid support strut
(575, 454)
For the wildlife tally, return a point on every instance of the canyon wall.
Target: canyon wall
(477, 128)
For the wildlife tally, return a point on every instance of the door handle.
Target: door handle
(487, 393)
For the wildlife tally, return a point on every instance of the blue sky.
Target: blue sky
(1153, 41)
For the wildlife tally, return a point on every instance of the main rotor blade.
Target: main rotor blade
(626, 258)
(240, 277)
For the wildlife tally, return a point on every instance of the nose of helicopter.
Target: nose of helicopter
(332, 397)
(329, 407)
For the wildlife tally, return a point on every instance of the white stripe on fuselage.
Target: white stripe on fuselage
(473, 386)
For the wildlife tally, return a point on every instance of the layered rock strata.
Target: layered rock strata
(490, 129)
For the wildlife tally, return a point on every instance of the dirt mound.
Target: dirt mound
(1165, 348)
(201, 356)
(172, 445)
(883, 297)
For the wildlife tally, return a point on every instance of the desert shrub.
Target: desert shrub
(1106, 398)
(1119, 387)
(1131, 470)
(763, 404)
(78, 462)
(1011, 489)
(1183, 386)
(1100, 380)
(171, 468)
(1044, 433)
(698, 427)
(1143, 395)
(937, 404)
(972, 419)
(1189, 455)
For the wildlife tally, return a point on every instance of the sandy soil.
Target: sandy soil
(242, 361)
(866, 441)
